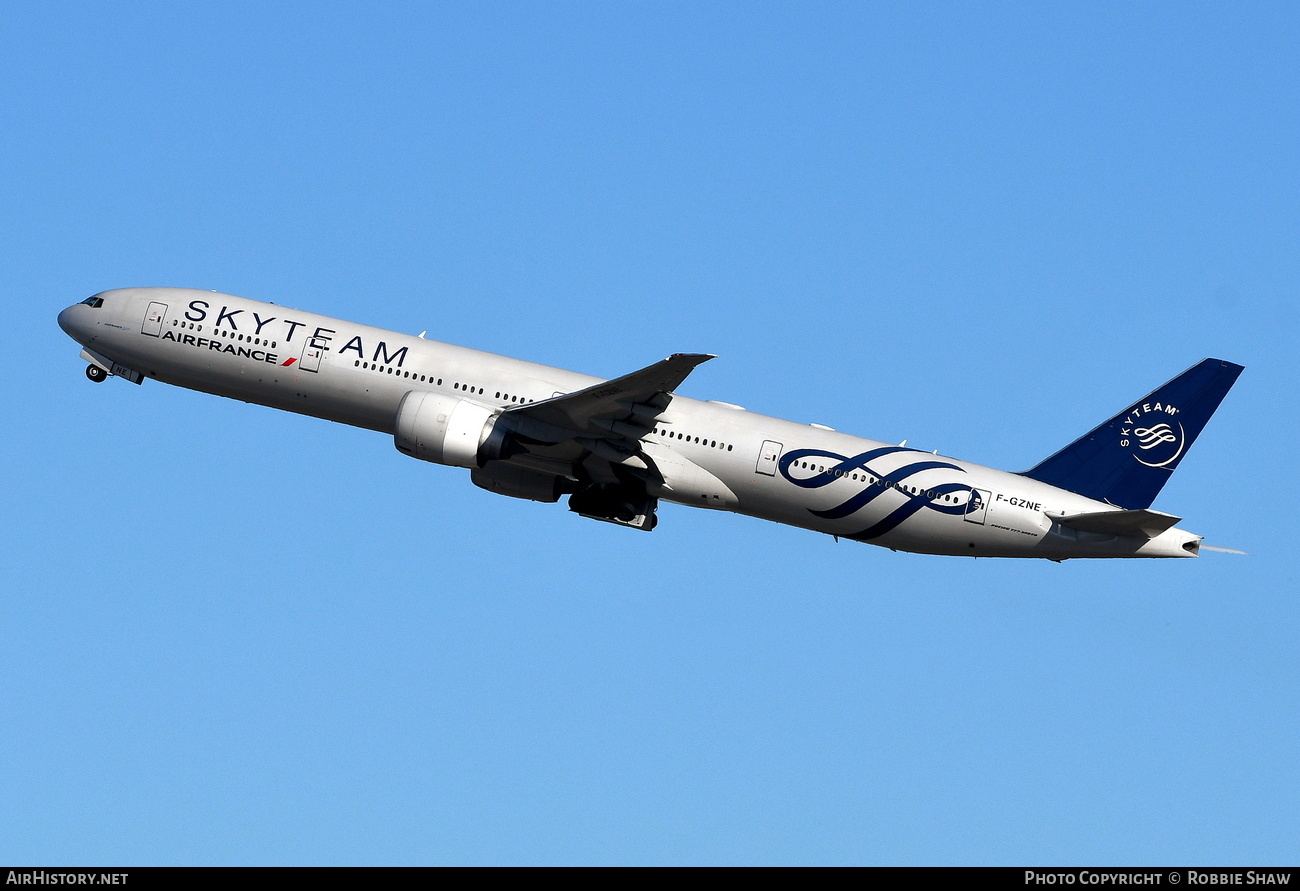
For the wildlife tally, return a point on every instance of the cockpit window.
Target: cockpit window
(94, 302)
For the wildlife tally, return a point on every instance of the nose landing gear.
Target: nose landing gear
(96, 374)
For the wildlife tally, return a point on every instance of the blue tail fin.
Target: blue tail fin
(1127, 460)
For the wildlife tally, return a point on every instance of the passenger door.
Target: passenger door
(767, 458)
(978, 506)
(153, 319)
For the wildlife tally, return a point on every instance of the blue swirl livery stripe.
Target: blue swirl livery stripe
(892, 480)
(872, 491)
(832, 473)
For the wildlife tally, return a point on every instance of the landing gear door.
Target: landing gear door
(767, 458)
(978, 506)
(153, 319)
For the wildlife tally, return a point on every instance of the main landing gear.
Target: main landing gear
(96, 374)
(624, 505)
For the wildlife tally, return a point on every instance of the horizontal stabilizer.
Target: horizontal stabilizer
(1143, 523)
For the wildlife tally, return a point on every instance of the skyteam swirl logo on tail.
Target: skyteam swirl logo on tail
(1150, 437)
(1160, 442)
(947, 498)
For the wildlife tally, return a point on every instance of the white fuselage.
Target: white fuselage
(725, 457)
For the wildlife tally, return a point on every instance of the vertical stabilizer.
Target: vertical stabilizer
(1127, 460)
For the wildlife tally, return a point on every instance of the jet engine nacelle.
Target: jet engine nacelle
(445, 430)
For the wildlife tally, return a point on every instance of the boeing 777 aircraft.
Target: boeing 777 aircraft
(617, 447)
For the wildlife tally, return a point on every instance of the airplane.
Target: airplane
(616, 448)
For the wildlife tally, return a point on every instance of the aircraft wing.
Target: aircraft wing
(607, 419)
(1141, 523)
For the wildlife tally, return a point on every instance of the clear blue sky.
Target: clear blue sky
(231, 635)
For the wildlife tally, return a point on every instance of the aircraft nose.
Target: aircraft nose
(65, 321)
(73, 321)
